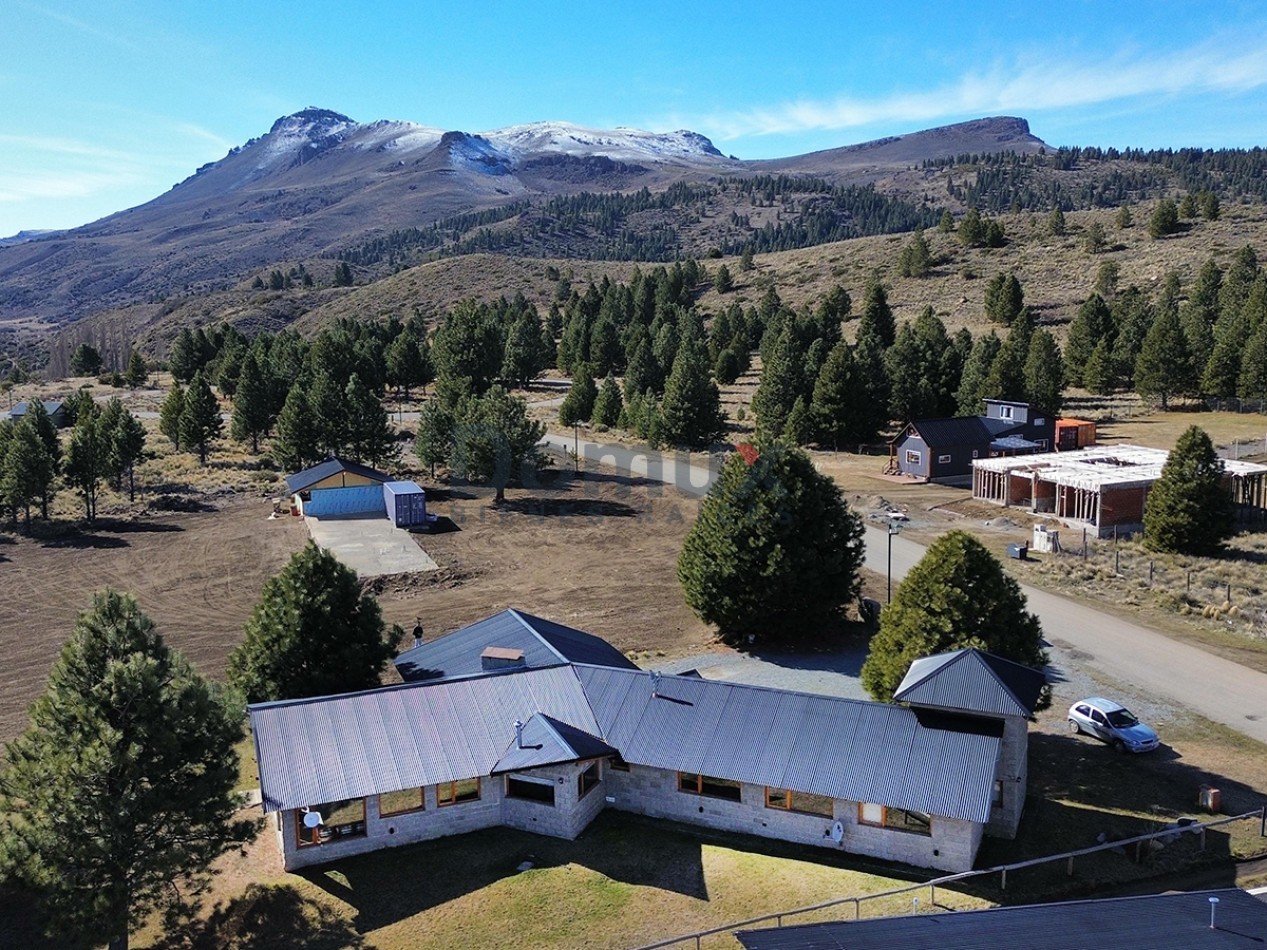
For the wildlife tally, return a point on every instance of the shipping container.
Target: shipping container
(406, 504)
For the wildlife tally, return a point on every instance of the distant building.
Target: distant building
(943, 450)
(1104, 488)
(340, 486)
(521, 722)
(55, 408)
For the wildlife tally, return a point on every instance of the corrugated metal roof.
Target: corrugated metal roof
(974, 680)
(331, 748)
(848, 749)
(1013, 442)
(961, 430)
(50, 406)
(331, 466)
(543, 642)
(547, 741)
(1124, 923)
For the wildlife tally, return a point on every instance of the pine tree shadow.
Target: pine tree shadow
(267, 917)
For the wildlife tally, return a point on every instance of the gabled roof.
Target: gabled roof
(973, 680)
(543, 642)
(50, 406)
(331, 466)
(325, 749)
(546, 741)
(1124, 923)
(844, 748)
(962, 430)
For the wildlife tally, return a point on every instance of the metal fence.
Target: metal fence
(777, 919)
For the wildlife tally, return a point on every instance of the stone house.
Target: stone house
(541, 737)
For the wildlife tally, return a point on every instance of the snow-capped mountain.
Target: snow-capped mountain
(620, 144)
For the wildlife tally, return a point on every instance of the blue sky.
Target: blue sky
(108, 103)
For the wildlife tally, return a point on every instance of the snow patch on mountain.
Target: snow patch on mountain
(393, 136)
(311, 131)
(621, 143)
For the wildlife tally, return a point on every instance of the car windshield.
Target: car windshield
(1122, 718)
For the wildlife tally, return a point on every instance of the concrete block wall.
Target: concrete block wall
(570, 814)
(1013, 772)
(431, 822)
(647, 791)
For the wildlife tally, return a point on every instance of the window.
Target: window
(975, 453)
(943, 460)
(533, 790)
(586, 781)
(694, 784)
(898, 819)
(459, 792)
(1005, 412)
(1040, 421)
(617, 764)
(1042, 443)
(913, 457)
(400, 803)
(804, 802)
(334, 820)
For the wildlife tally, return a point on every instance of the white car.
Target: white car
(1112, 723)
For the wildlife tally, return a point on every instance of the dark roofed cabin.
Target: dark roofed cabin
(942, 450)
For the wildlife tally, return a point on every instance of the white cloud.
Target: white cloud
(1025, 86)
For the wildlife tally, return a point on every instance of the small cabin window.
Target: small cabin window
(913, 457)
(1005, 412)
(943, 460)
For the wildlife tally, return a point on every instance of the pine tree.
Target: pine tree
(522, 359)
(834, 406)
(915, 259)
(1164, 219)
(782, 380)
(87, 460)
(405, 361)
(169, 414)
(745, 259)
(46, 429)
(723, 283)
(252, 409)
(971, 229)
(578, 404)
(976, 372)
(137, 371)
(298, 442)
(1092, 322)
(1006, 379)
(370, 438)
(200, 421)
(726, 369)
(85, 361)
(1124, 218)
(1164, 367)
(1056, 222)
(690, 413)
(957, 596)
(1252, 380)
(871, 389)
(121, 790)
(799, 429)
(876, 323)
(774, 548)
(1188, 509)
(609, 403)
(1223, 368)
(126, 438)
(1099, 376)
(26, 470)
(1044, 373)
(494, 440)
(314, 632)
(184, 358)
(1094, 240)
(1004, 298)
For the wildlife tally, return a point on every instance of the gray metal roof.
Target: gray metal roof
(331, 466)
(1013, 442)
(1124, 923)
(20, 409)
(543, 642)
(331, 748)
(546, 741)
(973, 680)
(848, 749)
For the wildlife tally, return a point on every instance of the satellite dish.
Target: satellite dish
(312, 819)
(838, 832)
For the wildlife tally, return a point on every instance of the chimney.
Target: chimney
(519, 733)
(502, 658)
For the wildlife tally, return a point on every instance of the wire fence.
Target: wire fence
(777, 919)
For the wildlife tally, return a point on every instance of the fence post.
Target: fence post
(1150, 573)
(1229, 592)
(1262, 826)
(932, 889)
(1189, 582)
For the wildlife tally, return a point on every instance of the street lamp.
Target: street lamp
(893, 529)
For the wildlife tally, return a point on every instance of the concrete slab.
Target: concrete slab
(370, 546)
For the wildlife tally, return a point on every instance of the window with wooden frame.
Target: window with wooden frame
(943, 460)
(896, 819)
(334, 821)
(709, 786)
(913, 457)
(459, 792)
(806, 803)
(618, 764)
(401, 802)
(588, 780)
(533, 790)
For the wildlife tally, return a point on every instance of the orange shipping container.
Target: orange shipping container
(1074, 434)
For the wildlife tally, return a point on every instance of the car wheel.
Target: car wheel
(1074, 727)
(1119, 746)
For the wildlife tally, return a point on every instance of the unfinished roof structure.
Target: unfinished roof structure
(1101, 488)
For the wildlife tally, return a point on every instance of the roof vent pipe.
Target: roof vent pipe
(655, 682)
(1214, 902)
(519, 733)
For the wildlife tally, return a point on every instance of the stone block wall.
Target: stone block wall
(1013, 773)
